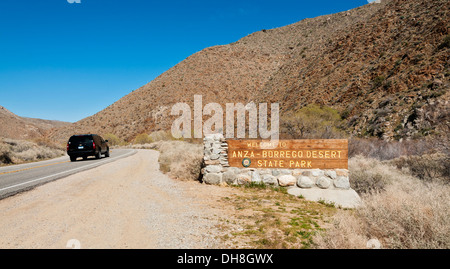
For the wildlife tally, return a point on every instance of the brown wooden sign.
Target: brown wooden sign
(289, 154)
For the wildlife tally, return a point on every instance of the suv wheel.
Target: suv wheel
(98, 155)
(107, 153)
(73, 159)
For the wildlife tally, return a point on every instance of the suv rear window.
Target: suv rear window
(81, 139)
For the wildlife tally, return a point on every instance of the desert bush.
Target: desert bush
(408, 214)
(5, 154)
(370, 175)
(48, 143)
(313, 121)
(426, 167)
(113, 139)
(182, 160)
(19, 151)
(142, 139)
(347, 232)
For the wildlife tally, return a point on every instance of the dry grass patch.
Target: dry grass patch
(269, 218)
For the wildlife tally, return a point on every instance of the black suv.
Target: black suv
(87, 145)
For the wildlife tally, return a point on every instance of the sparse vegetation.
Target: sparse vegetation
(113, 140)
(181, 160)
(273, 219)
(21, 128)
(406, 199)
(370, 175)
(19, 151)
(428, 167)
(313, 121)
(331, 65)
(407, 214)
(142, 139)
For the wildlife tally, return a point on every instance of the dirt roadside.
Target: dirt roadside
(125, 204)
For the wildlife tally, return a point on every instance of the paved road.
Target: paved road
(128, 203)
(19, 178)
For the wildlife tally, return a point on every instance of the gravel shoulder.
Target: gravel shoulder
(125, 204)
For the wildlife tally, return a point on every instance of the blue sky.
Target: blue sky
(54, 55)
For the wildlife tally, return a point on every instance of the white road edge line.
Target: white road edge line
(42, 178)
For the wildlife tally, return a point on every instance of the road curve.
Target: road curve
(18, 178)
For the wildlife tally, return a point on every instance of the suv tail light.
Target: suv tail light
(93, 145)
(67, 146)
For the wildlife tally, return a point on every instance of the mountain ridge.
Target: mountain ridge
(335, 60)
(16, 127)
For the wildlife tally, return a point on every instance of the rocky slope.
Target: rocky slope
(387, 74)
(383, 66)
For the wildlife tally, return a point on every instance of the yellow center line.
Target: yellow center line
(25, 169)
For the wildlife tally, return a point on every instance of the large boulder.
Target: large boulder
(212, 178)
(287, 180)
(305, 182)
(269, 179)
(342, 182)
(323, 182)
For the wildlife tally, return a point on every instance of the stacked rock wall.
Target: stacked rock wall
(217, 171)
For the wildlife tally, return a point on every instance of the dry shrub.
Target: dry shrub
(48, 143)
(113, 140)
(371, 175)
(347, 232)
(182, 160)
(313, 122)
(142, 139)
(19, 151)
(408, 213)
(427, 167)
(5, 154)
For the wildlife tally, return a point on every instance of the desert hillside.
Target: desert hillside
(384, 67)
(13, 126)
(388, 74)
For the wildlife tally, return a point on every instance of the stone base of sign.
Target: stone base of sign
(314, 184)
